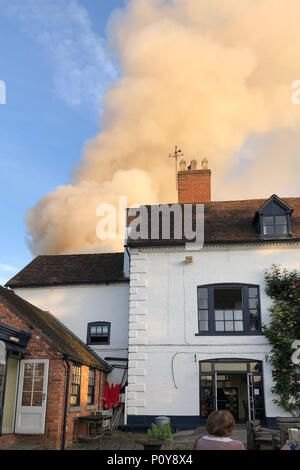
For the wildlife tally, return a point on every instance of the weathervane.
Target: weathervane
(175, 155)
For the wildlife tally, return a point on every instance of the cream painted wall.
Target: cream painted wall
(163, 323)
(76, 306)
(10, 396)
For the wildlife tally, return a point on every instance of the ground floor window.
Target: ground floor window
(91, 387)
(233, 385)
(75, 385)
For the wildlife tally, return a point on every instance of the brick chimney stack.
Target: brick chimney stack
(194, 186)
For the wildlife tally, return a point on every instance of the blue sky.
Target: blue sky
(55, 67)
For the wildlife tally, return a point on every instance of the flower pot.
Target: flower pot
(155, 444)
(152, 446)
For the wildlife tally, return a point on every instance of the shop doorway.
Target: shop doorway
(233, 385)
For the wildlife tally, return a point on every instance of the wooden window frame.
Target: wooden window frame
(75, 384)
(93, 386)
(245, 309)
(274, 208)
(98, 324)
(275, 225)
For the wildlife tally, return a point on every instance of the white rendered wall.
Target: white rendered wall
(163, 322)
(76, 306)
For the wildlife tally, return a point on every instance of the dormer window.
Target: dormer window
(273, 219)
(275, 225)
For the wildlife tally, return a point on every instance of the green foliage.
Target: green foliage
(163, 431)
(284, 327)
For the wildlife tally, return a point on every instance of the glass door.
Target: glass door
(251, 400)
(239, 382)
(208, 399)
(31, 406)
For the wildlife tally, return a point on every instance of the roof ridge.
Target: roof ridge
(12, 293)
(68, 269)
(66, 328)
(221, 201)
(80, 254)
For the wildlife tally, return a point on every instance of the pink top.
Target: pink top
(214, 443)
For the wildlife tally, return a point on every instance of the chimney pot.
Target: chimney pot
(204, 164)
(194, 164)
(182, 165)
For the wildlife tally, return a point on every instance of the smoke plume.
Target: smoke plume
(213, 77)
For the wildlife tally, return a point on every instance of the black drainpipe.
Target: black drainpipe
(3, 392)
(63, 443)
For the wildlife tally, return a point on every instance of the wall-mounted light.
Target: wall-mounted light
(188, 259)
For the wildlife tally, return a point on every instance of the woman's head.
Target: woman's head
(220, 423)
(298, 440)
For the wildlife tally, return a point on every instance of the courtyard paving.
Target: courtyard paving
(183, 440)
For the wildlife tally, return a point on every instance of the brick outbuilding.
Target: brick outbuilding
(48, 376)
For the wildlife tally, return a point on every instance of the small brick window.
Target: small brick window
(75, 385)
(91, 387)
(98, 333)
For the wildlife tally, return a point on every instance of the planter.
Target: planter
(155, 444)
(152, 446)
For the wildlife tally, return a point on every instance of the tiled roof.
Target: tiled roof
(58, 334)
(227, 222)
(48, 270)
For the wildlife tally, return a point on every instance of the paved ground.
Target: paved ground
(22, 444)
(182, 440)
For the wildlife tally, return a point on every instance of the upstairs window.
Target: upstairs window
(228, 309)
(275, 225)
(273, 219)
(98, 333)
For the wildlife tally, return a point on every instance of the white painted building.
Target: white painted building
(195, 318)
(84, 292)
(165, 348)
(192, 317)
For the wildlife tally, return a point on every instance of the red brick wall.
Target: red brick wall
(84, 409)
(194, 186)
(40, 348)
